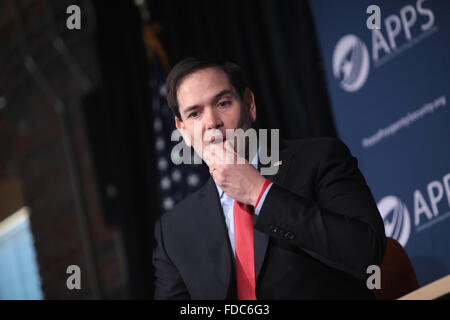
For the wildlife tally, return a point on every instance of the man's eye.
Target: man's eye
(193, 114)
(224, 103)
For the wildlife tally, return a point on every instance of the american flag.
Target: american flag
(175, 181)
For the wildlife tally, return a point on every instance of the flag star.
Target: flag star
(157, 124)
(176, 175)
(160, 144)
(168, 203)
(165, 183)
(162, 164)
(162, 90)
(192, 180)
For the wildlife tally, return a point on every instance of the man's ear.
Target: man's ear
(249, 101)
(179, 124)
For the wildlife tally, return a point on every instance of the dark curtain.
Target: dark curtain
(118, 115)
(274, 41)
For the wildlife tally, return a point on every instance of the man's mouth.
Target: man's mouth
(214, 136)
(216, 139)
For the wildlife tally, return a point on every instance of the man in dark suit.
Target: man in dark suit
(307, 232)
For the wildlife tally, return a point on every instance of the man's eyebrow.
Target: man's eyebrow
(190, 108)
(222, 93)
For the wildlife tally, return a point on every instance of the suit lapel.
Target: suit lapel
(210, 219)
(261, 239)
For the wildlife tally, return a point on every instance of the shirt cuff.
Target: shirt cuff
(262, 198)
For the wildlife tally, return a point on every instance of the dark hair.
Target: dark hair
(190, 65)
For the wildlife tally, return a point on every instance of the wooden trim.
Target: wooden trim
(431, 291)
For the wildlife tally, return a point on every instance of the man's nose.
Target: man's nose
(212, 120)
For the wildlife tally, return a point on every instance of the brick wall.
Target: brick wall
(32, 148)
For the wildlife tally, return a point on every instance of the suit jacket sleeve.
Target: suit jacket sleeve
(340, 227)
(168, 283)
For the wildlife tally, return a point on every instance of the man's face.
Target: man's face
(208, 100)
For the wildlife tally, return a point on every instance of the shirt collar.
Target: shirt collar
(254, 163)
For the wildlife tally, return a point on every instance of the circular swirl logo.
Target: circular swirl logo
(351, 63)
(397, 223)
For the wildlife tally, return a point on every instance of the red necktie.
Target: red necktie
(245, 262)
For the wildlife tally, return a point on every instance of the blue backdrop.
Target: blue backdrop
(389, 90)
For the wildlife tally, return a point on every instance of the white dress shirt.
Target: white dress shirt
(227, 205)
